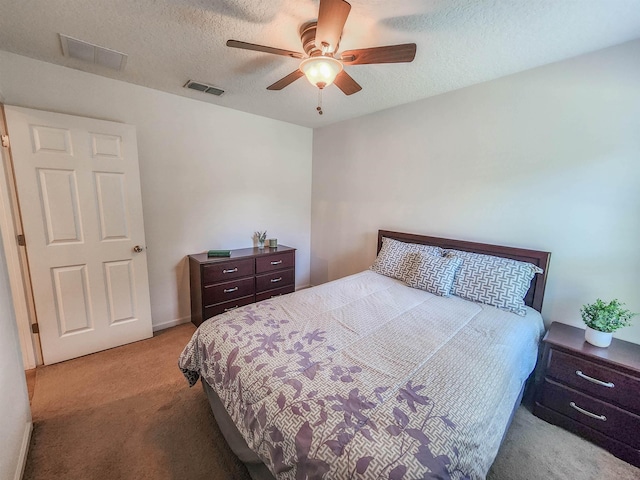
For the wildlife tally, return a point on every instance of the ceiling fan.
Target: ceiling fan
(320, 41)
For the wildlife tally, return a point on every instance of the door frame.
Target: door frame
(17, 262)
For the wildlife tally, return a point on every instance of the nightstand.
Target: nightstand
(591, 391)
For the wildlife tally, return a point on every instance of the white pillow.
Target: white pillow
(433, 274)
(395, 260)
(497, 281)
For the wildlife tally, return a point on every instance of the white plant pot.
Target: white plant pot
(598, 338)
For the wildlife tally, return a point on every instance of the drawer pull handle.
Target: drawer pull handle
(229, 290)
(231, 270)
(276, 263)
(274, 280)
(587, 413)
(230, 308)
(594, 380)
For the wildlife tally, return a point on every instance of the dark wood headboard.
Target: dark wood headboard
(534, 296)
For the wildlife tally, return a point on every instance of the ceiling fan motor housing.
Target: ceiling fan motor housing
(308, 39)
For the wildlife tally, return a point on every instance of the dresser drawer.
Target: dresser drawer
(227, 306)
(220, 272)
(275, 293)
(275, 262)
(595, 379)
(222, 292)
(273, 280)
(612, 421)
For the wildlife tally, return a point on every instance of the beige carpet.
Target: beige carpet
(537, 450)
(127, 413)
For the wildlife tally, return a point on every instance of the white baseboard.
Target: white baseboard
(24, 451)
(171, 323)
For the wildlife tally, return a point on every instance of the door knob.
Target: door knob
(137, 249)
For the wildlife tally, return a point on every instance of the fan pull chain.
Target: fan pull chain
(319, 107)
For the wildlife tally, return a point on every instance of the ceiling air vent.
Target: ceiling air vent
(88, 52)
(203, 87)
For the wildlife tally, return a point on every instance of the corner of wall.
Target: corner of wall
(24, 451)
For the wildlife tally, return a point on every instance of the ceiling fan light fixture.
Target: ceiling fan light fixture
(321, 71)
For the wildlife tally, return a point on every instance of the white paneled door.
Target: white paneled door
(78, 186)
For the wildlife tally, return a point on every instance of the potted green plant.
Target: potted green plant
(602, 319)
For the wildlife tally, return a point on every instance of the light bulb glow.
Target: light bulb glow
(321, 71)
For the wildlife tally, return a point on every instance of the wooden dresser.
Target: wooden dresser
(220, 284)
(592, 391)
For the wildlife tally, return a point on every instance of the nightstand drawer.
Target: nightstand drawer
(223, 271)
(274, 280)
(608, 419)
(227, 306)
(275, 293)
(595, 379)
(222, 292)
(275, 262)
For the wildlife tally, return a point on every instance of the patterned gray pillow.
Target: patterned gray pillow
(496, 281)
(395, 260)
(433, 274)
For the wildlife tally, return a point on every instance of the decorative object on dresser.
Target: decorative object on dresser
(602, 319)
(219, 253)
(246, 276)
(593, 392)
(261, 237)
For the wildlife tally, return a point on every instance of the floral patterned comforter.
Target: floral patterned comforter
(365, 377)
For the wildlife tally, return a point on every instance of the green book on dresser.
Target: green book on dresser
(219, 253)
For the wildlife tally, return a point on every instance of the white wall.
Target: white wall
(548, 159)
(15, 415)
(210, 176)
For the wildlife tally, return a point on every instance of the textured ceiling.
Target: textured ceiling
(459, 43)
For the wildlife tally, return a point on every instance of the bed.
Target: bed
(367, 377)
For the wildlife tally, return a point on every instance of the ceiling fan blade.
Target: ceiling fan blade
(332, 16)
(389, 54)
(347, 84)
(283, 82)
(262, 48)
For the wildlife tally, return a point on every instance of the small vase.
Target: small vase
(261, 244)
(598, 338)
